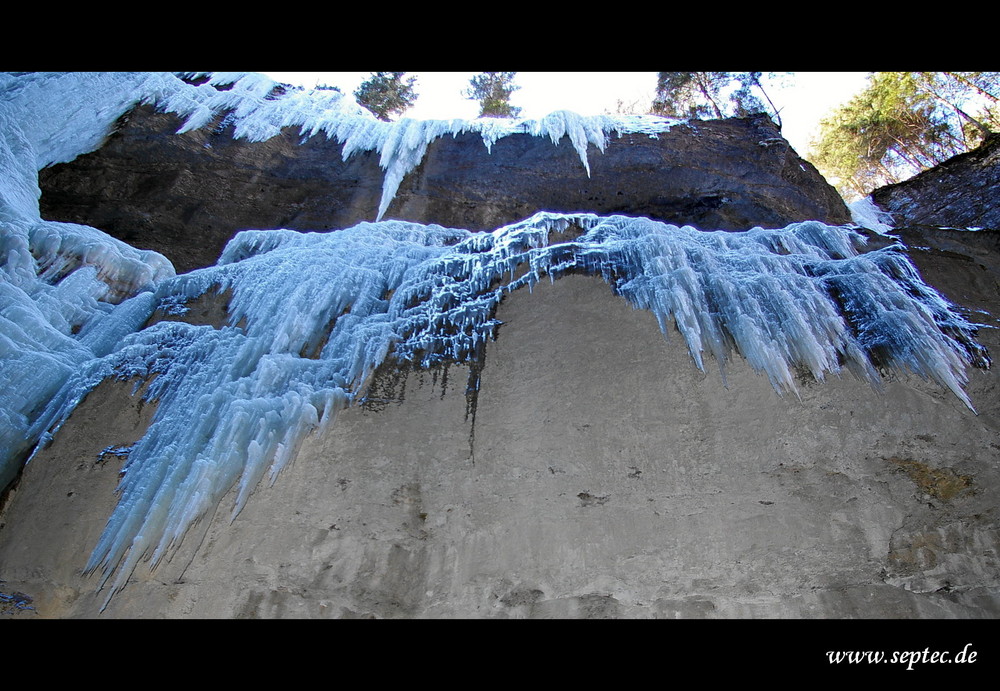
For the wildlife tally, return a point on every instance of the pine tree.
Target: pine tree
(902, 123)
(386, 93)
(493, 90)
(689, 94)
(710, 95)
(973, 96)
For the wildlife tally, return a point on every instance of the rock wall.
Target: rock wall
(186, 195)
(961, 192)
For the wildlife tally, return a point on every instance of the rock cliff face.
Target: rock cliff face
(962, 192)
(595, 473)
(186, 195)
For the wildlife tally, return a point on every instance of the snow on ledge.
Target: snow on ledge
(68, 114)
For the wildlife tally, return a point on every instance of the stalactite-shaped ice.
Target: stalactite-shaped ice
(58, 281)
(312, 315)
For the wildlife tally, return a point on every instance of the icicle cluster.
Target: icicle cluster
(312, 315)
(73, 112)
(60, 280)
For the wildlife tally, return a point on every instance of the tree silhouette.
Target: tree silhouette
(493, 90)
(386, 93)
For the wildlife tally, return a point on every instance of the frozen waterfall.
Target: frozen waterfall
(312, 315)
(61, 279)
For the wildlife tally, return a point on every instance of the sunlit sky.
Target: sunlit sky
(803, 97)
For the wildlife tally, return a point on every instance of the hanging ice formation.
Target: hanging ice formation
(61, 280)
(319, 312)
(312, 315)
(60, 283)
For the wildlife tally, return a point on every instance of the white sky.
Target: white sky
(804, 100)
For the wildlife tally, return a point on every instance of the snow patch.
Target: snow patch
(865, 213)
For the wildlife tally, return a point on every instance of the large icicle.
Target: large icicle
(312, 315)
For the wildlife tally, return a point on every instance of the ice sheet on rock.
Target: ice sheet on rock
(48, 332)
(866, 214)
(64, 288)
(65, 114)
(61, 248)
(233, 403)
(54, 321)
(313, 314)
